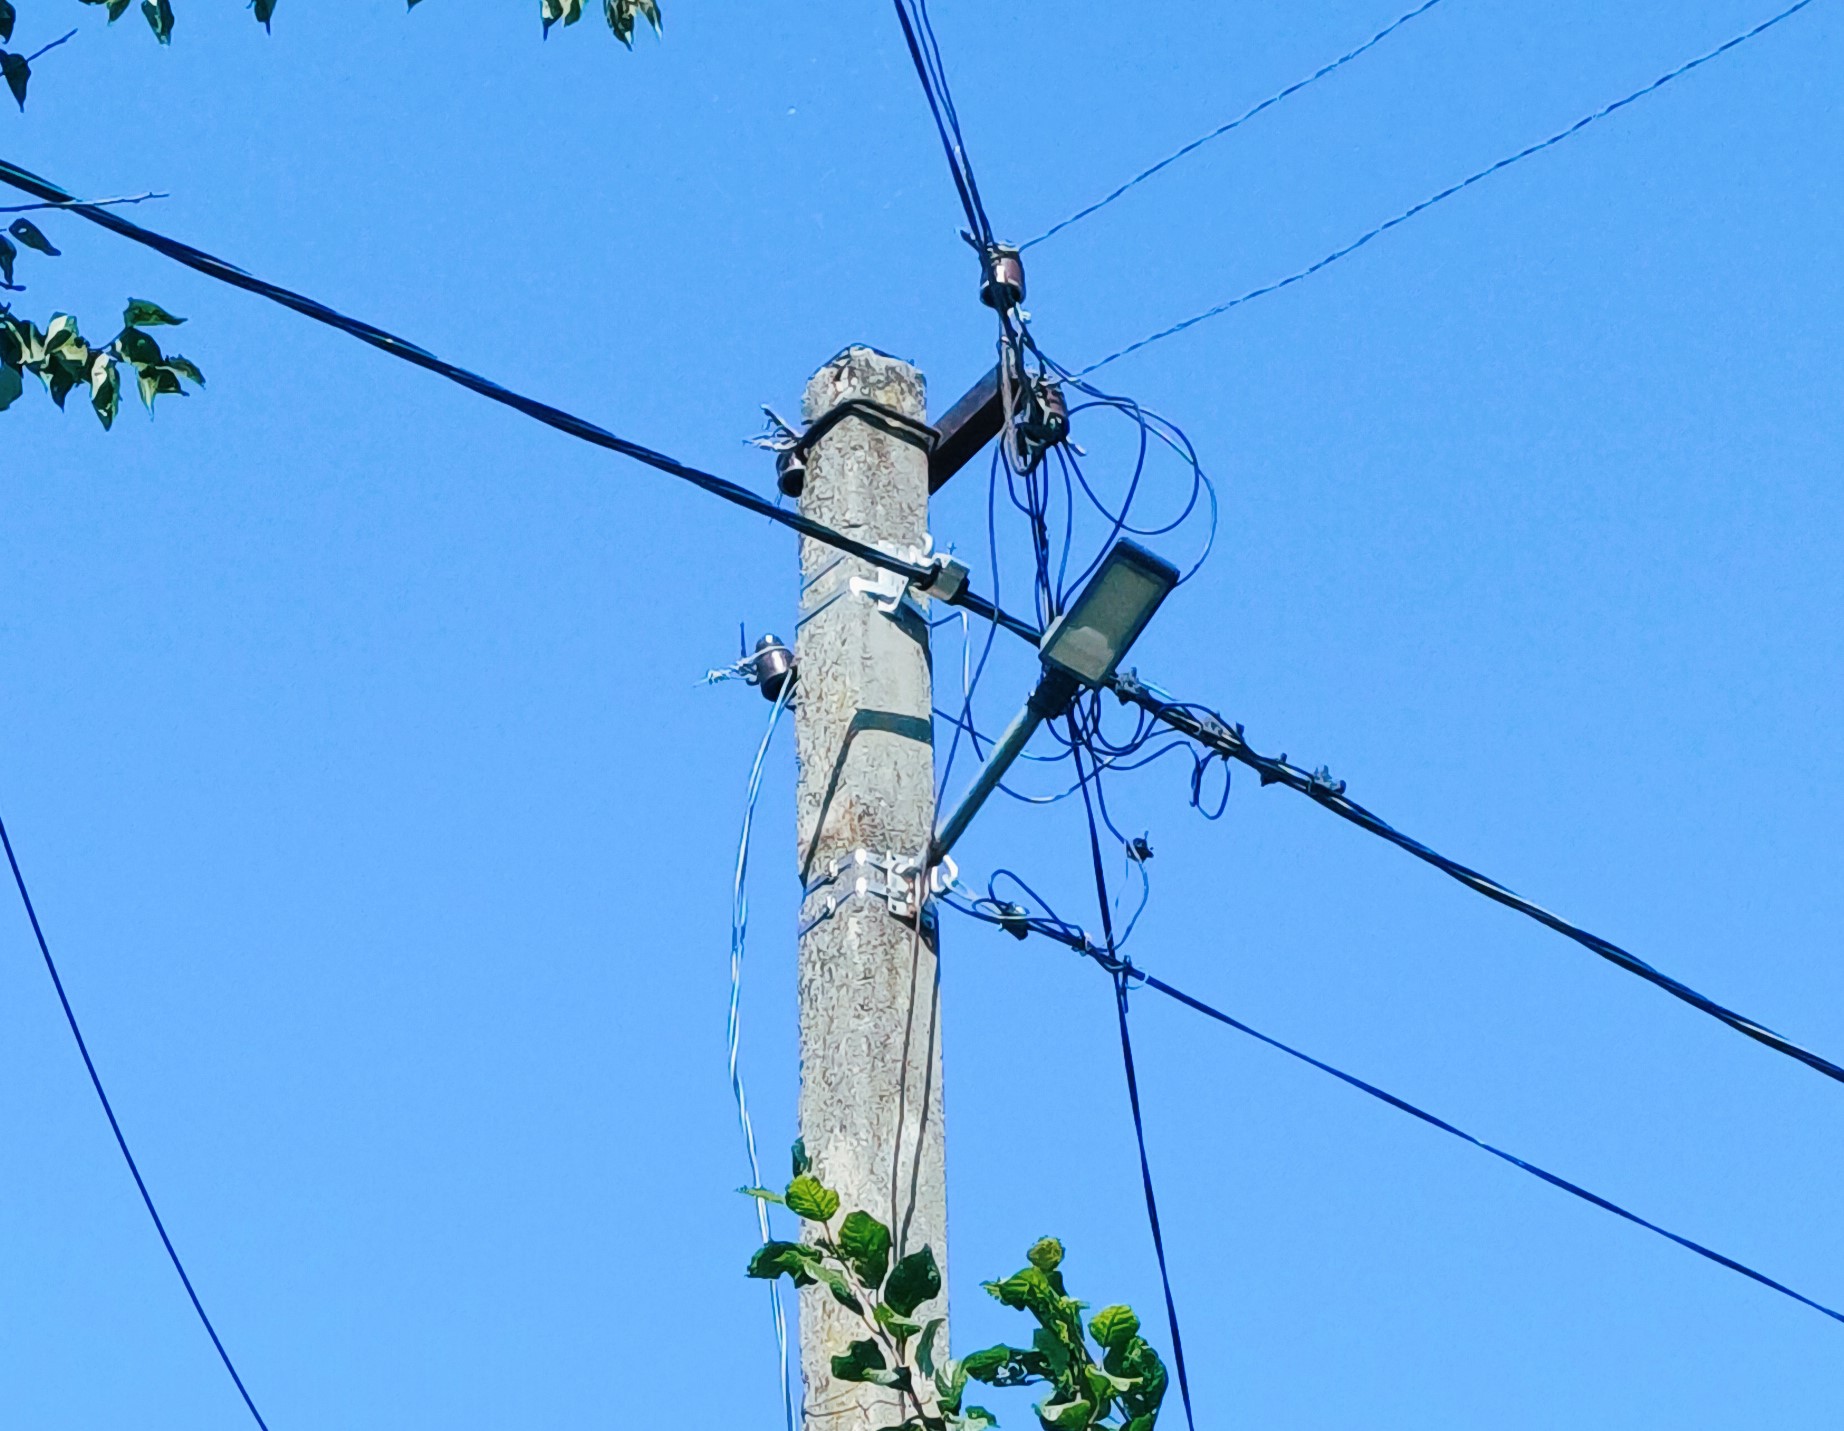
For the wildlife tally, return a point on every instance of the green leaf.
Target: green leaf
(1046, 1254)
(809, 1198)
(866, 1244)
(1066, 1415)
(139, 348)
(1027, 1290)
(185, 368)
(1050, 1347)
(105, 390)
(160, 381)
(8, 255)
(790, 1259)
(802, 1163)
(159, 15)
(950, 1385)
(974, 1418)
(117, 9)
(925, 1349)
(765, 1194)
(63, 330)
(860, 1361)
(28, 234)
(1141, 1423)
(7, 16)
(886, 1317)
(1001, 1366)
(265, 9)
(1114, 1327)
(12, 383)
(141, 314)
(838, 1286)
(18, 75)
(913, 1281)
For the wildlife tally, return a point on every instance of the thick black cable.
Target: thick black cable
(1211, 731)
(121, 1141)
(567, 423)
(1133, 1082)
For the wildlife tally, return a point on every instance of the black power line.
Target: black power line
(568, 423)
(1214, 733)
(121, 1141)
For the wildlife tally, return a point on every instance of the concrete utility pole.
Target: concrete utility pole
(870, 1088)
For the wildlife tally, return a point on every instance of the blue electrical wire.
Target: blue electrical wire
(1454, 189)
(121, 1141)
(1237, 122)
(739, 937)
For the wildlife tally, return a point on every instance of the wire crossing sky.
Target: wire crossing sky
(115, 1127)
(1450, 192)
(1324, 70)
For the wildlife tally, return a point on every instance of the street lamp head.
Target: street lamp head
(1087, 641)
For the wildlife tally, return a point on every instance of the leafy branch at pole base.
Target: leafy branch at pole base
(1114, 1382)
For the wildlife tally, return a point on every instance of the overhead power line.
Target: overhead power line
(1452, 190)
(115, 1127)
(1403, 1105)
(925, 53)
(554, 417)
(991, 911)
(1241, 119)
(1213, 732)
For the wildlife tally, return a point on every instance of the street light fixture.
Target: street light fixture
(1082, 648)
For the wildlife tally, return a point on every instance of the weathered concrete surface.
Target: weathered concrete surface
(866, 780)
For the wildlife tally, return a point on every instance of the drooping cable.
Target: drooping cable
(1065, 934)
(739, 940)
(1453, 189)
(567, 423)
(121, 1140)
(1133, 1084)
(1227, 740)
(1321, 73)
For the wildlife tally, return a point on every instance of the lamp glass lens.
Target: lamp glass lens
(1104, 623)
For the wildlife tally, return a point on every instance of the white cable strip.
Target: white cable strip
(739, 930)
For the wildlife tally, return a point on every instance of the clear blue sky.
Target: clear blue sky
(350, 731)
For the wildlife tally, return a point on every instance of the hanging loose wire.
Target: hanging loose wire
(1321, 73)
(1453, 189)
(1133, 1083)
(739, 938)
(121, 1140)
